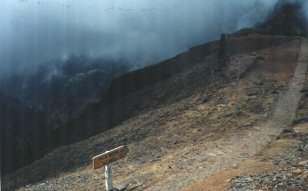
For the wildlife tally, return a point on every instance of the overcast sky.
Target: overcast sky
(141, 31)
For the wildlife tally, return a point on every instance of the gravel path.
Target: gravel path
(242, 145)
(294, 172)
(288, 104)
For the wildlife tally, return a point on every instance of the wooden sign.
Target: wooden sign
(109, 157)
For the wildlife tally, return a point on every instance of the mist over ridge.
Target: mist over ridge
(141, 32)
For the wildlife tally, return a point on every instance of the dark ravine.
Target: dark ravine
(23, 133)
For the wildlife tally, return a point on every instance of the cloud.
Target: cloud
(305, 9)
(140, 31)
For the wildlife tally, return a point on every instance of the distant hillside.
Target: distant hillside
(34, 104)
(24, 133)
(61, 88)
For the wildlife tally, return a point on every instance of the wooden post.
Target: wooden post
(108, 178)
(105, 159)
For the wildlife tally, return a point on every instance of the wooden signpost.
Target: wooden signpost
(105, 159)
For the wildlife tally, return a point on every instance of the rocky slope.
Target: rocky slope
(74, 97)
(190, 120)
(130, 94)
(281, 164)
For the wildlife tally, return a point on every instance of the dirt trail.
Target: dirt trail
(243, 145)
(287, 105)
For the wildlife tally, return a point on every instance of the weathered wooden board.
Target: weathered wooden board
(109, 156)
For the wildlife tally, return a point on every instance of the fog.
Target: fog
(305, 9)
(139, 31)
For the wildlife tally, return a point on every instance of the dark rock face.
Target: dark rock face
(286, 19)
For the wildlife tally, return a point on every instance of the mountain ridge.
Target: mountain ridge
(205, 100)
